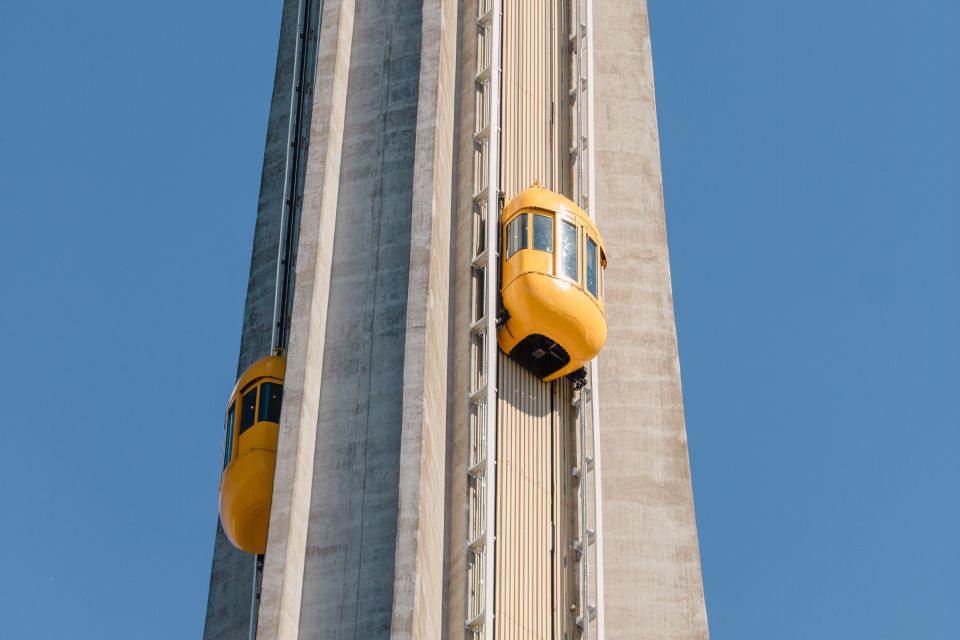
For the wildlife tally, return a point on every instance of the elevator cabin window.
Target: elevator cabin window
(228, 436)
(248, 410)
(271, 394)
(568, 251)
(516, 235)
(542, 233)
(592, 267)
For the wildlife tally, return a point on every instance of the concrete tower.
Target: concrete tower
(426, 485)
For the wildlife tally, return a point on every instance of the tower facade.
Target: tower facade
(426, 484)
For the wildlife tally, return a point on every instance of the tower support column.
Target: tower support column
(290, 509)
(653, 587)
(418, 566)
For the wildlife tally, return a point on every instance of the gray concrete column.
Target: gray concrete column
(290, 509)
(653, 586)
(418, 565)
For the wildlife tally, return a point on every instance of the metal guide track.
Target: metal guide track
(482, 467)
(589, 543)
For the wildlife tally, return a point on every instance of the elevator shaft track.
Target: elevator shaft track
(534, 535)
(590, 522)
(482, 467)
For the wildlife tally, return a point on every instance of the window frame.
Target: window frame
(255, 389)
(230, 427)
(552, 222)
(522, 237)
(261, 404)
(588, 240)
(560, 251)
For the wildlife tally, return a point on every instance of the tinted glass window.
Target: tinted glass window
(516, 235)
(271, 395)
(248, 410)
(568, 251)
(228, 436)
(592, 267)
(542, 233)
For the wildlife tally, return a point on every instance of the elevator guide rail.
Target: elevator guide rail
(589, 543)
(482, 469)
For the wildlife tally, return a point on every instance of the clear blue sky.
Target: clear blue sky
(811, 169)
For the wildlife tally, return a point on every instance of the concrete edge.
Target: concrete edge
(279, 615)
(418, 570)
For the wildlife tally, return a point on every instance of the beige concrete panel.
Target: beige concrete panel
(418, 577)
(348, 582)
(653, 586)
(286, 542)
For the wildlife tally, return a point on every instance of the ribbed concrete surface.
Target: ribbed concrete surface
(418, 565)
(348, 576)
(283, 576)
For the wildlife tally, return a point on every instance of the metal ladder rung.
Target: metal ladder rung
(591, 539)
(480, 326)
(573, 92)
(577, 472)
(480, 260)
(476, 621)
(591, 613)
(478, 543)
(478, 468)
(572, 36)
(478, 395)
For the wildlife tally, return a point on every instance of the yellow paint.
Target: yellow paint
(539, 299)
(246, 486)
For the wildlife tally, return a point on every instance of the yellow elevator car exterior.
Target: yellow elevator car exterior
(551, 267)
(250, 453)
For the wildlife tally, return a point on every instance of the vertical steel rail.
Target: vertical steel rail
(594, 366)
(298, 128)
(586, 181)
(583, 479)
(482, 470)
(289, 179)
(491, 282)
(255, 599)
